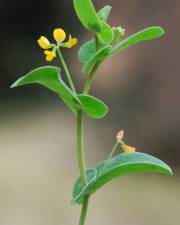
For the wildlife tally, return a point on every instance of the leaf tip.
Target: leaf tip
(170, 171)
(12, 85)
(167, 169)
(15, 84)
(161, 30)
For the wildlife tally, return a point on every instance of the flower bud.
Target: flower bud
(59, 35)
(44, 43)
(119, 32)
(120, 135)
(128, 149)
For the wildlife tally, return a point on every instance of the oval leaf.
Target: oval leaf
(97, 58)
(144, 35)
(87, 15)
(78, 191)
(93, 106)
(104, 13)
(124, 163)
(49, 77)
(106, 35)
(87, 51)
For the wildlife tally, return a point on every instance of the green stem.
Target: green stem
(81, 160)
(90, 79)
(97, 42)
(112, 151)
(80, 150)
(68, 75)
(82, 167)
(91, 76)
(84, 210)
(109, 157)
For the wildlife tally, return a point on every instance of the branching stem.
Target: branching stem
(90, 79)
(81, 160)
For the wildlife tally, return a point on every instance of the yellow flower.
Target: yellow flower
(128, 149)
(44, 43)
(71, 42)
(59, 35)
(49, 55)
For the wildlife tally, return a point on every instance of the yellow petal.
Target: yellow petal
(43, 42)
(59, 34)
(71, 42)
(128, 149)
(49, 55)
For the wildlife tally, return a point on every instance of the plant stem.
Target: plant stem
(84, 210)
(82, 167)
(66, 70)
(80, 150)
(97, 42)
(112, 151)
(109, 157)
(90, 79)
(81, 159)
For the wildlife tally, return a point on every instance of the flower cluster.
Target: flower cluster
(59, 36)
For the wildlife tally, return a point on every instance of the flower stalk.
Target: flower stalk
(109, 157)
(68, 75)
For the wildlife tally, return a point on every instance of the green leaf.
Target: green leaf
(97, 58)
(49, 77)
(87, 51)
(87, 15)
(78, 191)
(124, 163)
(106, 35)
(144, 35)
(94, 107)
(104, 13)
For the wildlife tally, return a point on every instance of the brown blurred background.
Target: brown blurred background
(37, 133)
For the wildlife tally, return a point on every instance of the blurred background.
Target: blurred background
(38, 163)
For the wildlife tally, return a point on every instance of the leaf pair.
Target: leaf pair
(49, 77)
(96, 23)
(88, 16)
(124, 163)
(93, 21)
(88, 55)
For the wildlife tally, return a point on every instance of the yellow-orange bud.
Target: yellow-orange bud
(128, 149)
